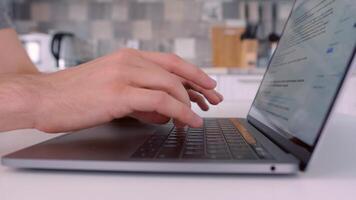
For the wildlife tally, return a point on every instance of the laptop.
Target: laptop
(292, 106)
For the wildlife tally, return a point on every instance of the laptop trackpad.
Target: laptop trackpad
(114, 141)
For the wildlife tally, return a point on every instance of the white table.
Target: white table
(331, 175)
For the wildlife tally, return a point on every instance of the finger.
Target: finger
(178, 66)
(211, 95)
(179, 124)
(145, 100)
(153, 78)
(197, 98)
(221, 97)
(150, 117)
(155, 118)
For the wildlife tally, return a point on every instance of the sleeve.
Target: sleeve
(5, 21)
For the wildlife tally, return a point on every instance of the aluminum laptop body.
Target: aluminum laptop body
(290, 111)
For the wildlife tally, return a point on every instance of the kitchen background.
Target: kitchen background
(209, 33)
(180, 26)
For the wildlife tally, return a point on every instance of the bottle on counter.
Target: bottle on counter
(262, 35)
(274, 37)
(249, 43)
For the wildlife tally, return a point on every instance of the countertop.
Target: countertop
(331, 175)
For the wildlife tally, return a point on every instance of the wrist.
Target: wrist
(18, 102)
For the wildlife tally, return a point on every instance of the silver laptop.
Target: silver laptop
(290, 110)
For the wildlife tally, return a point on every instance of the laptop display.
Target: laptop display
(307, 69)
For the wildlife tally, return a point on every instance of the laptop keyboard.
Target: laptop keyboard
(218, 139)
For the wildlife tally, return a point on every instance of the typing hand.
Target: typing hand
(152, 87)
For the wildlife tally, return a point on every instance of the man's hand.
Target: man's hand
(152, 87)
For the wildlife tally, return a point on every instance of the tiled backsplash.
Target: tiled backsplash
(180, 26)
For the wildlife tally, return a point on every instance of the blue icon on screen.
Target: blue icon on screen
(330, 50)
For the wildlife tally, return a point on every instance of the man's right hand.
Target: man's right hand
(152, 87)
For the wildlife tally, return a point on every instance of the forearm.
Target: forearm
(16, 102)
(13, 56)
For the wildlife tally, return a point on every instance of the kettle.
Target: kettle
(57, 50)
(63, 50)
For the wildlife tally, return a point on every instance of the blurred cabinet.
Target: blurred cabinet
(226, 46)
(238, 87)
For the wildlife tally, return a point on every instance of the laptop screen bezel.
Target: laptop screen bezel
(299, 149)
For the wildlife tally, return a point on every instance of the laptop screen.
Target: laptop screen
(307, 69)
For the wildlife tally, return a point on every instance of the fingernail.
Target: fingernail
(217, 100)
(221, 96)
(213, 82)
(206, 108)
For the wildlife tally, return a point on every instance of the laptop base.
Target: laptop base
(111, 147)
